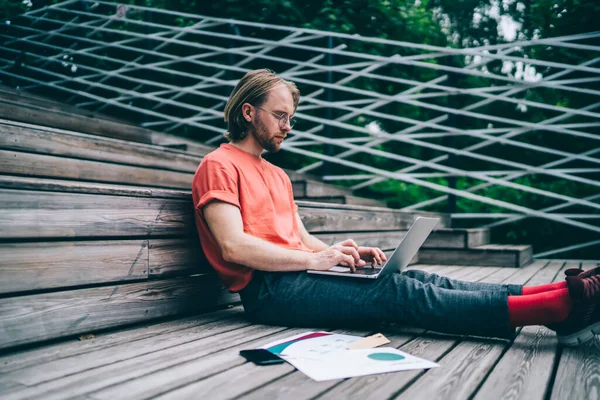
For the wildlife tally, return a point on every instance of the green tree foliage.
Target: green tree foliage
(455, 23)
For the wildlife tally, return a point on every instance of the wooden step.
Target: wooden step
(439, 238)
(34, 150)
(33, 114)
(317, 188)
(39, 317)
(47, 214)
(10, 95)
(488, 255)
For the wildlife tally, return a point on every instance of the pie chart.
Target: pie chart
(385, 357)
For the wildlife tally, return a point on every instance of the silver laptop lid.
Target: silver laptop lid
(410, 244)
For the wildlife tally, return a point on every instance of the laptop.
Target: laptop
(406, 250)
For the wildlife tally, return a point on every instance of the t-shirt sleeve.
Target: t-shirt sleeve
(291, 193)
(216, 181)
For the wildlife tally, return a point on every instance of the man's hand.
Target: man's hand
(344, 253)
(374, 255)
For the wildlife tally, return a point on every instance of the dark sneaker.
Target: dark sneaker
(581, 273)
(584, 320)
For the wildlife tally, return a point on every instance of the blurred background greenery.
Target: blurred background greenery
(454, 23)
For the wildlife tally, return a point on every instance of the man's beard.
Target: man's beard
(259, 131)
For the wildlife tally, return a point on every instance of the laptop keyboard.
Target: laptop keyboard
(366, 271)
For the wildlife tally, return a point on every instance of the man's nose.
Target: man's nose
(287, 126)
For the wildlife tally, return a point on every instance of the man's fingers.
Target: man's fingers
(382, 255)
(349, 242)
(352, 252)
(350, 261)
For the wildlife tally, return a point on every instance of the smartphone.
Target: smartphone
(261, 357)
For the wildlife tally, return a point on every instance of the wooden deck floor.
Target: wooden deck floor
(197, 358)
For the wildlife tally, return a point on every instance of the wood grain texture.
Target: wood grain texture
(525, 370)
(488, 255)
(296, 385)
(186, 350)
(444, 238)
(197, 371)
(39, 165)
(19, 97)
(27, 319)
(38, 214)
(49, 265)
(88, 147)
(430, 346)
(466, 365)
(100, 357)
(52, 265)
(57, 185)
(79, 123)
(176, 257)
(331, 220)
(104, 340)
(31, 214)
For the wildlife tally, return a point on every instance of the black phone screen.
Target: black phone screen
(261, 357)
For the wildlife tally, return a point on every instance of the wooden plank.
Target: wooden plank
(444, 238)
(428, 346)
(32, 214)
(271, 383)
(478, 237)
(62, 120)
(470, 363)
(175, 257)
(37, 139)
(332, 220)
(100, 357)
(281, 383)
(27, 319)
(526, 368)
(19, 97)
(94, 125)
(134, 365)
(50, 265)
(324, 199)
(37, 214)
(38, 165)
(358, 214)
(103, 340)
(196, 371)
(499, 256)
(578, 372)
(407, 215)
(56, 185)
(47, 265)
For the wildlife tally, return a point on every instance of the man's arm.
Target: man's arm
(309, 240)
(372, 254)
(225, 223)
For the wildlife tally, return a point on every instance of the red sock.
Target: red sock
(539, 309)
(527, 290)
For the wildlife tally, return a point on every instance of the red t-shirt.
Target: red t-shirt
(262, 192)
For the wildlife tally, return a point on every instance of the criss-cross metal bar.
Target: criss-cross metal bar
(177, 75)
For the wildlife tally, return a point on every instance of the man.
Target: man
(252, 235)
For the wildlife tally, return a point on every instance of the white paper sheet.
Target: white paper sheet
(324, 356)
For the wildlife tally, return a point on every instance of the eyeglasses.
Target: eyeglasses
(283, 118)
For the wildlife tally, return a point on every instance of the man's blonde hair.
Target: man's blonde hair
(253, 88)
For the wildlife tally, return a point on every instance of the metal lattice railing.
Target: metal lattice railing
(173, 72)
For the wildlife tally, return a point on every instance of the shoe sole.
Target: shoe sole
(581, 337)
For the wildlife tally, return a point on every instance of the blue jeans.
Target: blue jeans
(412, 297)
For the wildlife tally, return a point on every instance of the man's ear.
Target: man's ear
(247, 111)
